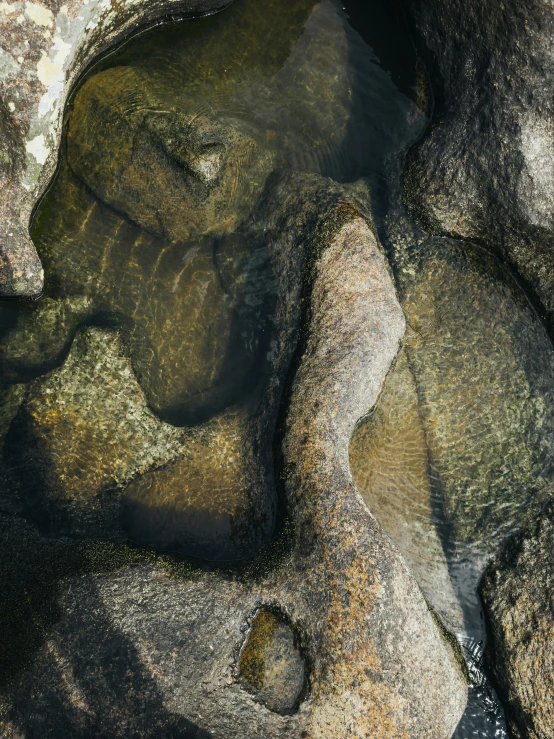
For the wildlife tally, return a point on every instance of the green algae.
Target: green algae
(270, 664)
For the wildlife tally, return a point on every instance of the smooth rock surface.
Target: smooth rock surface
(518, 595)
(482, 362)
(485, 168)
(378, 664)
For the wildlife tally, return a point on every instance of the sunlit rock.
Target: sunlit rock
(377, 664)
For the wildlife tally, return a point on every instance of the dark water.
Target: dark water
(170, 320)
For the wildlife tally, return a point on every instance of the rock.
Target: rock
(390, 467)
(194, 134)
(186, 306)
(55, 45)
(210, 348)
(482, 363)
(517, 592)
(153, 648)
(45, 48)
(270, 664)
(485, 168)
(319, 426)
(178, 175)
(82, 430)
(216, 500)
(206, 325)
(43, 336)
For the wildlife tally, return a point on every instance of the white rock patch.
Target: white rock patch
(39, 14)
(38, 149)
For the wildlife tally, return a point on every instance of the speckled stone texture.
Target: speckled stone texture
(518, 595)
(483, 365)
(485, 168)
(44, 47)
(147, 653)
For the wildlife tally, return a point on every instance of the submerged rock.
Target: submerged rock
(165, 224)
(216, 500)
(188, 309)
(176, 174)
(141, 653)
(390, 467)
(270, 664)
(483, 366)
(82, 430)
(45, 49)
(86, 454)
(517, 592)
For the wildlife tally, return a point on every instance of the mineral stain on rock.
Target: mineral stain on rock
(270, 665)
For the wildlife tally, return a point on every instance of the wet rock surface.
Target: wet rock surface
(183, 236)
(485, 166)
(371, 643)
(517, 594)
(86, 429)
(480, 360)
(182, 272)
(86, 454)
(270, 664)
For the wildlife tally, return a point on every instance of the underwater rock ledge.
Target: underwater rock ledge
(44, 49)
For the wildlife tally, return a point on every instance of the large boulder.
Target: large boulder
(517, 592)
(485, 168)
(138, 651)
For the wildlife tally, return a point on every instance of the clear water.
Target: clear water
(333, 89)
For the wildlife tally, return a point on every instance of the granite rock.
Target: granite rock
(45, 47)
(517, 592)
(158, 421)
(148, 649)
(485, 167)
